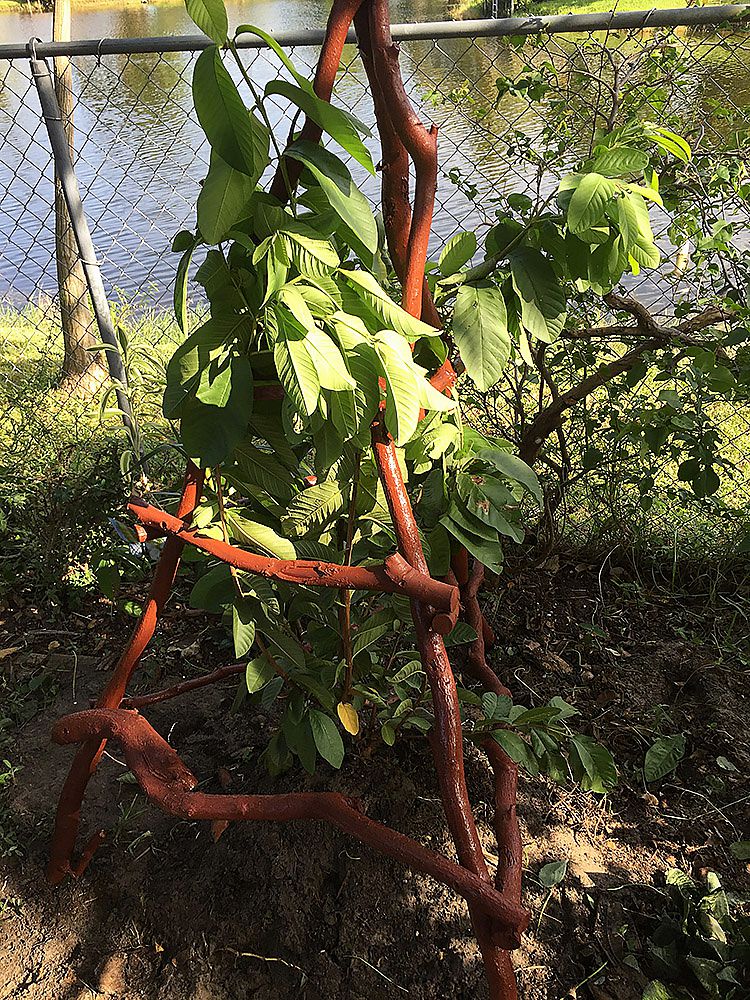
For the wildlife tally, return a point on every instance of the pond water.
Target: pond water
(141, 155)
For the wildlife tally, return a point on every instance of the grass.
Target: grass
(60, 476)
(549, 7)
(468, 9)
(35, 6)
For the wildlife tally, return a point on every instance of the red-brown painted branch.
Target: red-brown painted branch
(476, 660)
(339, 22)
(507, 832)
(86, 759)
(184, 687)
(420, 143)
(446, 736)
(395, 576)
(394, 168)
(169, 784)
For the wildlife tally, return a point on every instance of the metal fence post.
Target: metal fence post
(69, 183)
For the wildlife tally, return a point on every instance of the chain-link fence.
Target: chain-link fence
(516, 102)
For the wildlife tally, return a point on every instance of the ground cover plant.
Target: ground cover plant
(323, 431)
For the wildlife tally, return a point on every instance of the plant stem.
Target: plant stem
(264, 114)
(345, 617)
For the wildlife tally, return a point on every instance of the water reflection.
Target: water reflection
(141, 155)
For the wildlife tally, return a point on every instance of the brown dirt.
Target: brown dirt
(274, 912)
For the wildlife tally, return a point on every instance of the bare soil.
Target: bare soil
(271, 912)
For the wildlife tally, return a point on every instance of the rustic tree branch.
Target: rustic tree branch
(548, 420)
(169, 784)
(395, 576)
(88, 756)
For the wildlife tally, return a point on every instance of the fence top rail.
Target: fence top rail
(632, 20)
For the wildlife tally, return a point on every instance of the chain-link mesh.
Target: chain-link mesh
(512, 119)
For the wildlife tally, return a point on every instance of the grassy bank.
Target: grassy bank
(465, 10)
(37, 7)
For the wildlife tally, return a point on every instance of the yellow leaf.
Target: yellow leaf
(14, 649)
(349, 717)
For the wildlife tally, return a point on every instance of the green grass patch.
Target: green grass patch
(60, 444)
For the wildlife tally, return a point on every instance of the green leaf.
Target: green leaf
(480, 503)
(296, 368)
(616, 161)
(663, 756)
(489, 554)
(324, 352)
(316, 506)
(480, 329)
(670, 142)
(271, 691)
(259, 468)
(589, 201)
(410, 671)
(517, 749)
(402, 392)
(682, 882)
(310, 254)
(353, 413)
(213, 591)
(300, 739)
(592, 764)
(372, 630)
(340, 125)
(476, 526)
(327, 738)
(392, 316)
(457, 251)
(233, 132)
(645, 192)
(543, 302)
(109, 579)
(633, 220)
(343, 195)
(211, 428)
(251, 29)
(243, 627)
(224, 200)
(211, 17)
(646, 254)
(658, 991)
(431, 399)
(388, 734)
(460, 634)
(285, 645)
(258, 673)
(181, 282)
(553, 873)
(564, 709)
(259, 537)
(198, 359)
(496, 706)
(513, 468)
(740, 849)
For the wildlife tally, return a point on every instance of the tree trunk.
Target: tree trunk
(80, 365)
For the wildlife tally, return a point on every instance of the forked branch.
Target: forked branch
(394, 576)
(171, 785)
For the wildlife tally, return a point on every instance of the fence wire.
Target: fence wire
(513, 114)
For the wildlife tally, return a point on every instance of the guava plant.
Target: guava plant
(342, 510)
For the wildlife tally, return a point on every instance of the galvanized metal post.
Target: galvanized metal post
(45, 86)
